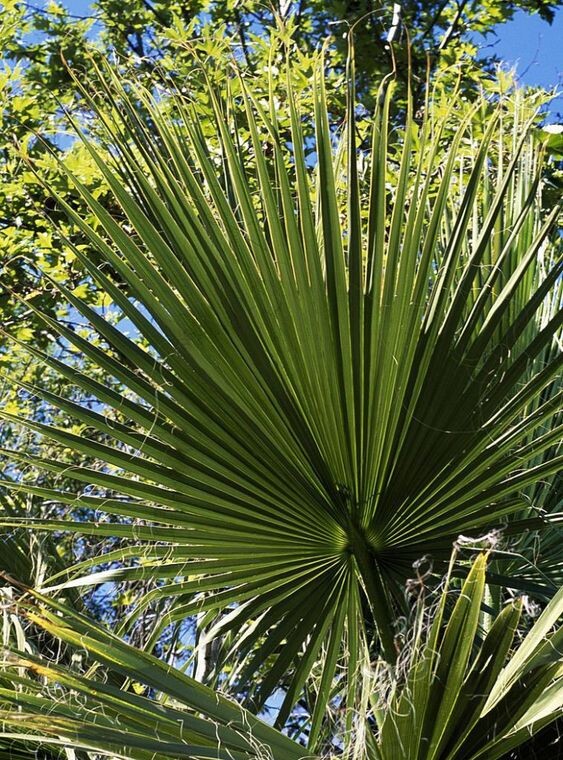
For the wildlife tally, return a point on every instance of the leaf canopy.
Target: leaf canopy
(334, 369)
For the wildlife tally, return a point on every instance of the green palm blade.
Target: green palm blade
(93, 713)
(322, 391)
(458, 695)
(467, 697)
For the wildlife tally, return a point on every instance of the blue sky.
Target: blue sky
(536, 50)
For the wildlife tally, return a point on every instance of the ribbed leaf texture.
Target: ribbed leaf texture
(337, 364)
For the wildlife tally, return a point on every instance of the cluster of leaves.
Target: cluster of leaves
(41, 44)
(264, 363)
(463, 695)
(335, 368)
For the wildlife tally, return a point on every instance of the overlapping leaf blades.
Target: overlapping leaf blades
(460, 699)
(317, 402)
(63, 706)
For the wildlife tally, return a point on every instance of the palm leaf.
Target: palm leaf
(470, 697)
(309, 405)
(456, 696)
(57, 706)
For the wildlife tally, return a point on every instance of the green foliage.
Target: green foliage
(457, 695)
(336, 369)
(460, 698)
(41, 43)
(266, 362)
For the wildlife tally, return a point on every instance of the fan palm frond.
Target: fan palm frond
(319, 391)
